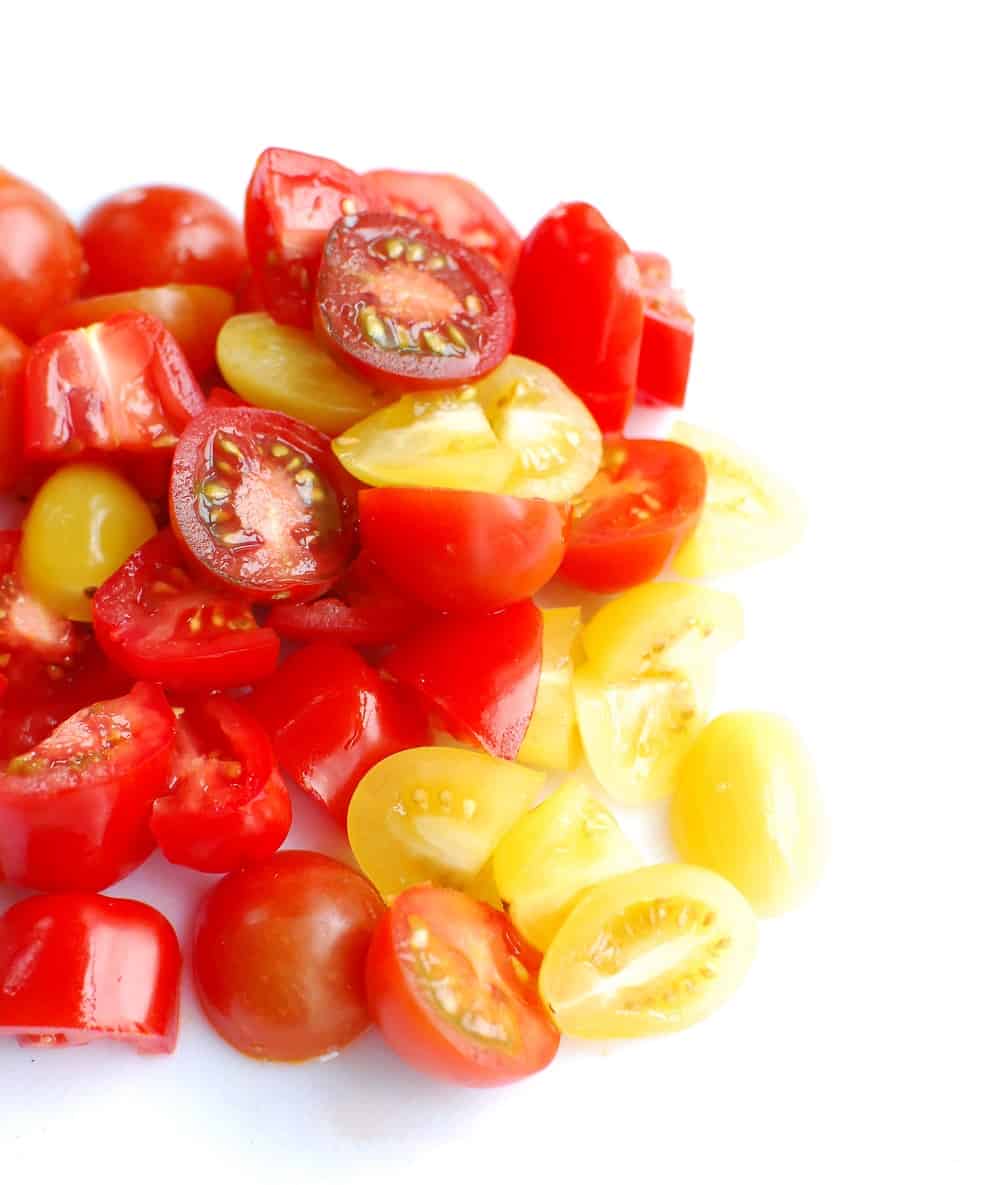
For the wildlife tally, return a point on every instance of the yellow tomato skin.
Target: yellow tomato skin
(651, 951)
(435, 814)
(746, 806)
(285, 369)
(553, 740)
(83, 525)
(554, 853)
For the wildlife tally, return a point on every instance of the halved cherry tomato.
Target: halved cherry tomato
(74, 810)
(667, 335)
(26, 625)
(638, 510)
(453, 207)
(157, 623)
(292, 201)
(13, 355)
(331, 717)
(408, 308)
(160, 234)
(478, 673)
(553, 739)
(227, 805)
(257, 501)
(78, 967)
(580, 309)
(450, 991)
(462, 551)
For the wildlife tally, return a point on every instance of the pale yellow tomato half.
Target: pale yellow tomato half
(552, 740)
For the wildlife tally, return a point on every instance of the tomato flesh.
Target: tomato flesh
(667, 336)
(27, 626)
(13, 355)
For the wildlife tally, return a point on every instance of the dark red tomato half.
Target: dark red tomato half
(450, 988)
(667, 335)
(228, 805)
(332, 717)
(478, 673)
(74, 810)
(259, 502)
(13, 355)
(79, 967)
(461, 551)
(453, 207)
(644, 502)
(292, 201)
(409, 308)
(580, 309)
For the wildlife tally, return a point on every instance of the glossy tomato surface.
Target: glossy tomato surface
(13, 355)
(667, 335)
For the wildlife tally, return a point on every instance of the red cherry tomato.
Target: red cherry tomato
(27, 627)
(258, 501)
(13, 355)
(78, 967)
(227, 805)
(409, 308)
(40, 256)
(223, 397)
(580, 309)
(667, 335)
(460, 551)
(159, 234)
(332, 717)
(644, 502)
(453, 207)
(451, 989)
(74, 810)
(479, 673)
(279, 956)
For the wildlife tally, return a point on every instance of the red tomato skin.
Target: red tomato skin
(462, 551)
(478, 672)
(223, 397)
(91, 830)
(41, 260)
(78, 967)
(160, 234)
(331, 717)
(667, 336)
(580, 309)
(13, 355)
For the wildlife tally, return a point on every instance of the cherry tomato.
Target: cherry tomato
(78, 967)
(160, 234)
(580, 309)
(13, 356)
(667, 336)
(408, 308)
(638, 510)
(227, 805)
(279, 956)
(40, 256)
(26, 625)
(331, 717)
(74, 810)
(256, 501)
(553, 740)
(157, 623)
(478, 673)
(461, 551)
(453, 207)
(292, 201)
(449, 989)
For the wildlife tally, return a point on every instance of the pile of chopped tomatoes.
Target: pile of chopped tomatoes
(318, 504)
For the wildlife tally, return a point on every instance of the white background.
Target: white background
(823, 177)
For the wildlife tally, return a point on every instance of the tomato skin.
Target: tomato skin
(485, 945)
(41, 259)
(13, 355)
(463, 551)
(667, 336)
(160, 234)
(78, 967)
(580, 309)
(279, 956)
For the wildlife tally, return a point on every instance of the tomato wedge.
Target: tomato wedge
(13, 355)
(449, 987)
(667, 335)
(408, 308)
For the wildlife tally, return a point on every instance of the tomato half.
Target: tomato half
(27, 626)
(13, 355)
(78, 967)
(667, 336)
(256, 500)
(449, 988)
(634, 515)
(553, 739)
(580, 309)
(462, 551)
(408, 308)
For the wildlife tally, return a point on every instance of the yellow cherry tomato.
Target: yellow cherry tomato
(746, 806)
(749, 515)
(648, 952)
(285, 369)
(552, 740)
(435, 814)
(555, 852)
(83, 525)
